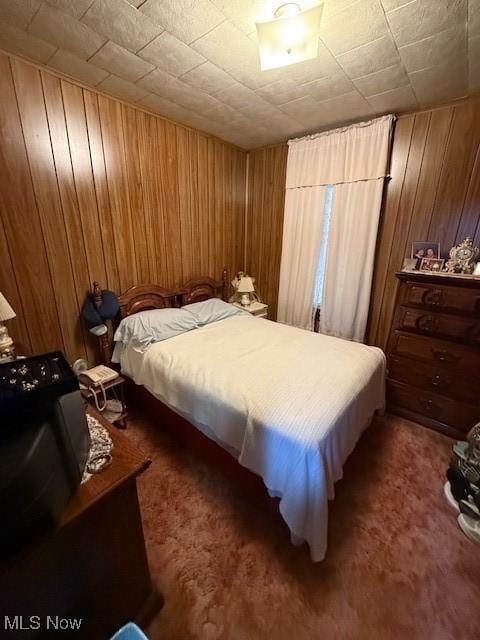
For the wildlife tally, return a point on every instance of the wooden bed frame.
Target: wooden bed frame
(150, 296)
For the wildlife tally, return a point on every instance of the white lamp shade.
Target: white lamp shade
(289, 40)
(6, 311)
(245, 285)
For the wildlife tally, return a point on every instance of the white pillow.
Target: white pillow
(140, 330)
(212, 310)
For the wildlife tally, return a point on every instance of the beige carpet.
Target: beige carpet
(397, 565)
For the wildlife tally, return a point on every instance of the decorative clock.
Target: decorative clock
(462, 257)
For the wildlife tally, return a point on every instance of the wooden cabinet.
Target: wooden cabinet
(434, 352)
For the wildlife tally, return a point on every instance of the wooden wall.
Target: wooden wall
(91, 188)
(434, 194)
(264, 220)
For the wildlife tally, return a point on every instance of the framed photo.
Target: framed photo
(409, 264)
(434, 265)
(423, 249)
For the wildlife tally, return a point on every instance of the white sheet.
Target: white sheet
(288, 403)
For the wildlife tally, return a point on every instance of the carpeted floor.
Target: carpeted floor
(397, 566)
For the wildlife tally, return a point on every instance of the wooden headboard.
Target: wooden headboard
(143, 297)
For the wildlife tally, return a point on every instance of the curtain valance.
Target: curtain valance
(349, 154)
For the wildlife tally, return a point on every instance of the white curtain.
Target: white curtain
(350, 257)
(354, 160)
(302, 228)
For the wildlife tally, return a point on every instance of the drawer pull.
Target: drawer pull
(428, 405)
(439, 382)
(445, 356)
(433, 296)
(427, 323)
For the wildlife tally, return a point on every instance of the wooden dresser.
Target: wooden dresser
(434, 352)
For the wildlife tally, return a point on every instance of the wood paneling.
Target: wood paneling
(264, 220)
(91, 188)
(433, 194)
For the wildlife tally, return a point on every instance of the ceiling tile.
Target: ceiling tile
(245, 100)
(388, 5)
(323, 65)
(122, 89)
(186, 19)
(24, 44)
(164, 106)
(329, 87)
(351, 106)
(77, 68)
(65, 32)
(369, 58)
(282, 124)
(227, 47)
(209, 78)
(75, 8)
(396, 100)
(245, 13)
(119, 21)
(227, 115)
(121, 62)
(423, 18)
(167, 86)
(440, 48)
(171, 54)
(305, 110)
(440, 84)
(354, 26)
(18, 14)
(381, 81)
(282, 91)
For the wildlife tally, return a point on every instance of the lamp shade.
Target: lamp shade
(290, 39)
(6, 311)
(245, 285)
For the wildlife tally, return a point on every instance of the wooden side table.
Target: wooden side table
(116, 389)
(94, 566)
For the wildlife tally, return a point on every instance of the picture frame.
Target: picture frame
(425, 249)
(409, 264)
(432, 265)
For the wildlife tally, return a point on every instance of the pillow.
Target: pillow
(212, 310)
(140, 330)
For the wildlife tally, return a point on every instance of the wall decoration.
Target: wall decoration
(462, 257)
(435, 265)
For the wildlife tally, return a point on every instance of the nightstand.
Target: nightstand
(258, 309)
(114, 390)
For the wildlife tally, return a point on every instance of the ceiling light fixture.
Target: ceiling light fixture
(290, 38)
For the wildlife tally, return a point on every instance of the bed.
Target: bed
(289, 405)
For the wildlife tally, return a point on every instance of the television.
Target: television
(44, 445)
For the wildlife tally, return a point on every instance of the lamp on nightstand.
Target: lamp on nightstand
(7, 348)
(245, 289)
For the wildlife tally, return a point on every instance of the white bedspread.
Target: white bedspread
(288, 403)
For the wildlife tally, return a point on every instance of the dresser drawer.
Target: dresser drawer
(431, 377)
(442, 298)
(458, 415)
(450, 356)
(449, 326)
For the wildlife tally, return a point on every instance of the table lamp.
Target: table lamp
(245, 289)
(7, 348)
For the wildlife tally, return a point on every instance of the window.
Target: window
(322, 258)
